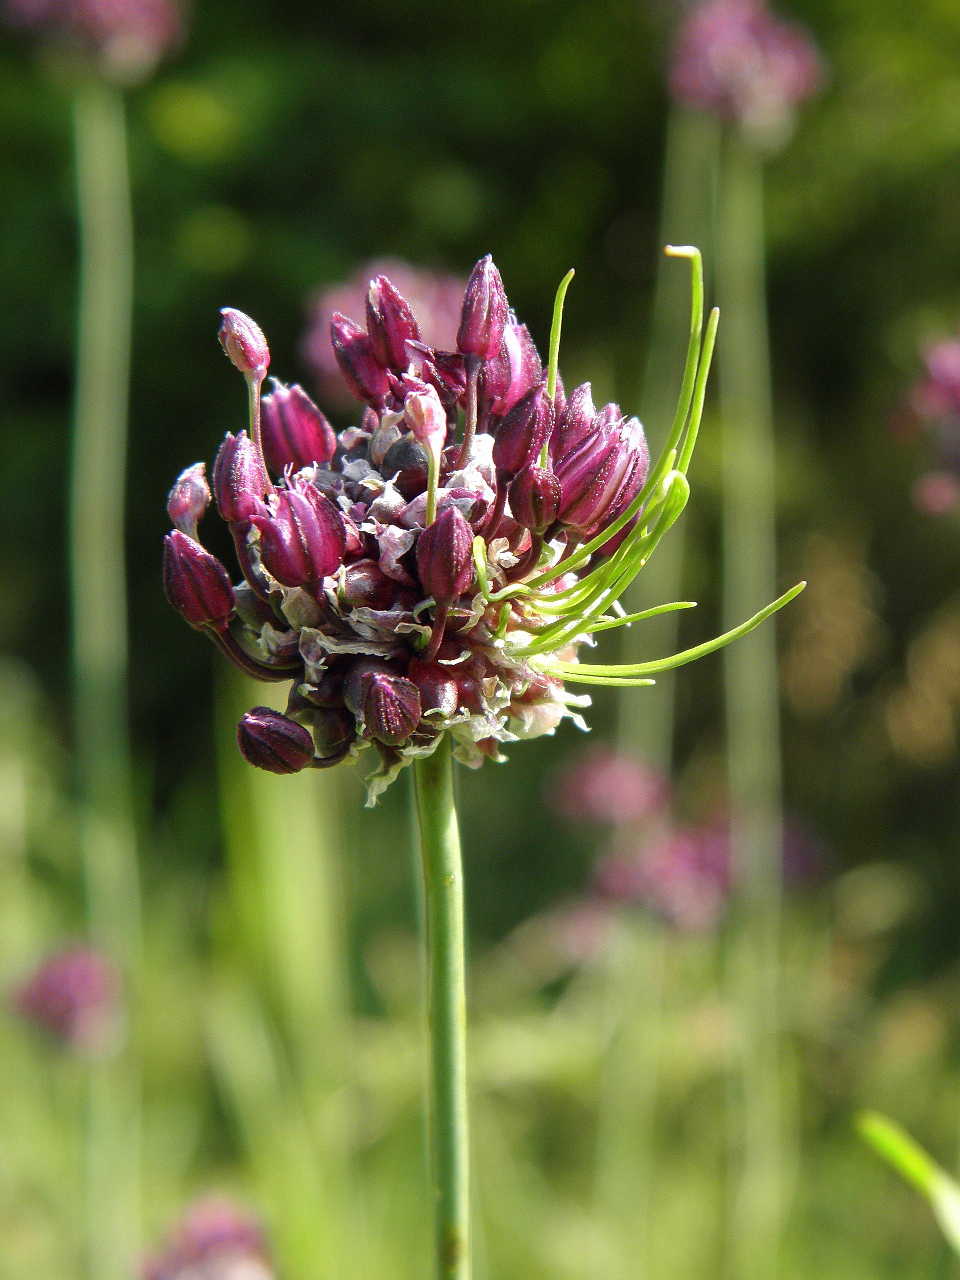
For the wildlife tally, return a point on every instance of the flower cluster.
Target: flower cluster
(74, 996)
(214, 1241)
(931, 412)
(126, 38)
(412, 578)
(737, 60)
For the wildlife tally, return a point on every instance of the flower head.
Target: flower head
(738, 60)
(931, 412)
(74, 996)
(215, 1240)
(416, 579)
(125, 38)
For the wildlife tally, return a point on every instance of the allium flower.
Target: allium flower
(415, 580)
(125, 37)
(434, 300)
(214, 1241)
(609, 788)
(682, 875)
(931, 412)
(75, 997)
(736, 59)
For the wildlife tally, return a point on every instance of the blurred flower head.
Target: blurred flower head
(931, 413)
(435, 298)
(215, 1240)
(610, 788)
(75, 997)
(736, 59)
(683, 875)
(126, 38)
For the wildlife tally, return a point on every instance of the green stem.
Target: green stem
(752, 703)
(443, 884)
(98, 584)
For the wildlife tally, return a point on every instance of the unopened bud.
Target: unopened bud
(522, 433)
(436, 684)
(239, 481)
(273, 742)
(391, 324)
(534, 498)
(575, 423)
(365, 586)
(196, 583)
(189, 499)
(445, 556)
(484, 313)
(243, 341)
(427, 419)
(362, 372)
(295, 433)
(302, 540)
(386, 706)
(514, 371)
(333, 731)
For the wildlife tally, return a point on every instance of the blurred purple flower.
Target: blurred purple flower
(127, 37)
(75, 997)
(436, 299)
(215, 1240)
(610, 788)
(736, 59)
(930, 414)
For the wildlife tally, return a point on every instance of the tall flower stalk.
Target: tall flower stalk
(426, 580)
(735, 60)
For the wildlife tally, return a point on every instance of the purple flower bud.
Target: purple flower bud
(214, 1239)
(295, 432)
(364, 374)
(243, 341)
(386, 705)
(189, 499)
(443, 370)
(534, 498)
(74, 996)
(239, 481)
(593, 475)
(484, 314)
(436, 684)
(575, 423)
(196, 583)
(521, 434)
(445, 556)
(273, 742)
(391, 324)
(515, 370)
(365, 586)
(303, 539)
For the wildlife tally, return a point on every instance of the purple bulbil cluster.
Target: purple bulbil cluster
(126, 37)
(215, 1240)
(74, 996)
(384, 567)
(931, 414)
(738, 60)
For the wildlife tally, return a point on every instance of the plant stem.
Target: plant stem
(98, 584)
(446, 1009)
(752, 704)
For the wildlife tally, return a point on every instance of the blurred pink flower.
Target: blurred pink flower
(936, 493)
(607, 787)
(436, 299)
(75, 997)
(683, 875)
(215, 1240)
(735, 58)
(128, 37)
(930, 413)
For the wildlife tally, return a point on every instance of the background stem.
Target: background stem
(98, 584)
(443, 883)
(752, 705)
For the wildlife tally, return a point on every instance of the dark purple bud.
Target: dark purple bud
(443, 370)
(445, 556)
(189, 499)
(75, 997)
(243, 341)
(239, 481)
(593, 475)
(515, 370)
(334, 730)
(406, 462)
(273, 742)
(196, 583)
(302, 540)
(295, 432)
(575, 423)
(484, 313)
(436, 684)
(522, 433)
(391, 324)
(535, 499)
(366, 586)
(363, 373)
(386, 706)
